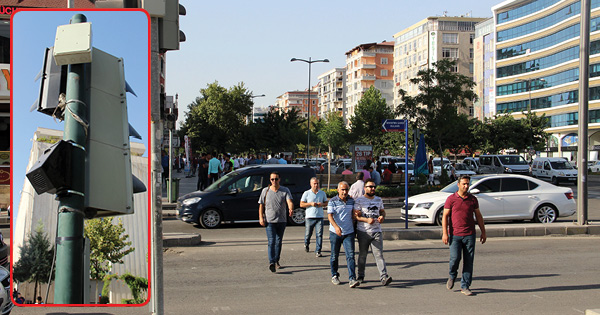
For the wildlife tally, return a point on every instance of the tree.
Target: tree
(535, 136)
(332, 133)
(108, 245)
(279, 131)
(36, 259)
(366, 122)
(215, 119)
(434, 109)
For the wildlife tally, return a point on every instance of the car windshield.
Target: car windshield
(437, 162)
(561, 165)
(512, 160)
(461, 167)
(221, 181)
(410, 166)
(453, 187)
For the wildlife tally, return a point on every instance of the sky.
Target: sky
(122, 34)
(253, 41)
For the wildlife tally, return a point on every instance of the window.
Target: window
(454, 68)
(514, 184)
(247, 184)
(450, 38)
(314, 102)
(384, 72)
(450, 52)
(384, 61)
(471, 54)
(471, 67)
(471, 37)
(489, 186)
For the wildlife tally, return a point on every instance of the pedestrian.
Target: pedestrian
(387, 175)
(430, 169)
(203, 171)
(273, 159)
(164, 161)
(347, 171)
(375, 175)
(313, 200)
(452, 169)
(39, 300)
(281, 159)
(272, 214)
(20, 299)
(458, 228)
(340, 212)
(370, 214)
(366, 172)
(358, 188)
(214, 167)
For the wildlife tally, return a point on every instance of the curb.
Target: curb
(181, 239)
(393, 234)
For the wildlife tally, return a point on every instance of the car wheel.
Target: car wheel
(210, 218)
(298, 216)
(554, 181)
(438, 217)
(545, 214)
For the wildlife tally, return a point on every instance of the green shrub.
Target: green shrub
(421, 179)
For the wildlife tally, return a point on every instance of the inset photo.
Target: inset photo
(79, 157)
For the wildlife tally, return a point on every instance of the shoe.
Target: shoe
(450, 284)
(319, 254)
(272, 267)
(277, 265)
(306, 249)
(354, 283)
(466, 291)
(360, 279)
(335, 280)
(386, 280)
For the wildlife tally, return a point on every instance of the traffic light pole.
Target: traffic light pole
(69, 239)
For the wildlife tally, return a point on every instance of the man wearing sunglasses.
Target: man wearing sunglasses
(369, 212)
(341, 232)
(272, 214)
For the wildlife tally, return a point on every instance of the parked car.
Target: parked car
(437, 166)
(497, 164)
(555, 169)
(324, 169)
(6, 304)
(411, 169)
(501, 197)
(459, 170)
(472, 163)
(595, 167)
(234, 197)
(342, 164)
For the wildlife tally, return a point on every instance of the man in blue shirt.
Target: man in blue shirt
(341, 231)
(214, 167)
(313, 200)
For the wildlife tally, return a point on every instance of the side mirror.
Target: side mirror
(474, 191)
(233, 191)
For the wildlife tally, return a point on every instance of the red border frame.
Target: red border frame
(150, 144)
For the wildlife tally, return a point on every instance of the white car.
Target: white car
(437, 166)
(595, 167)
(459, 170)
(411, 169)
(501, 197)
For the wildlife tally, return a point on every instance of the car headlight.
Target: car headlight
(190, 201)
(561, 173)
(507, 170)
(424, 205)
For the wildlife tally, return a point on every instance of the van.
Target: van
(554, 169)
(472, 163)
(497, 164)
(234, 197)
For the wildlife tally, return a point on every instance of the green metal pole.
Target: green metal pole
(68, 287)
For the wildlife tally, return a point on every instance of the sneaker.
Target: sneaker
(450, 284)
(386, 280)
(335, 280)
(360, 279)
(272, 267)
(306, 249)
(354, 283)
(319, 254)
(466, 291)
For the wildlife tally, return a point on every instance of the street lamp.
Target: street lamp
(310, 62)
(252, 97)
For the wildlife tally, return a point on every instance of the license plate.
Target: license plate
(572, 178)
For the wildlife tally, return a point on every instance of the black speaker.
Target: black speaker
(52, 171)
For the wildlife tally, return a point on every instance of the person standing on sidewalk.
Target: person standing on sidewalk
(313, 200)
(271, 213)
(214, 167)
(458, 228)
(341, 231)
(203, 171)
(370, 214)
(358, 188)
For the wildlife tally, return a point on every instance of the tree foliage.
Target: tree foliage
(505, 132)
(108, 245)
(366, 122)
(278, 131)
(36, 259)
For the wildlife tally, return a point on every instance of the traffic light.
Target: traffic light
(168, 27)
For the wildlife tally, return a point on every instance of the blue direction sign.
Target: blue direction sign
(389, 125)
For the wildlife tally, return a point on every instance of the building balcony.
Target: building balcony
(367, 77)
(366, 66)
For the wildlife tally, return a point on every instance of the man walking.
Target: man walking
(358, 188)
(458, 228)
(370, 214)
(430, 170)
(203, 171)
(272, 214)
(214, 167)
(341, 231)
(313, 200)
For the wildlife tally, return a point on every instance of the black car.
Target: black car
(234, 197)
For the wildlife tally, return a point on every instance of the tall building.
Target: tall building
(420, 45)
(484, 70)
(368, 65)
(299, 100)
(537, 67)
(332, 90)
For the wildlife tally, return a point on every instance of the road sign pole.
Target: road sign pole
(406, 176)
(69, 239)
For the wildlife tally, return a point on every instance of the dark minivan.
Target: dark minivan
(234, 197)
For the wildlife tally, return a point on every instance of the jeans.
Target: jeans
(336, 243)
(375, 242)
(275, 238)
(317, 225)
(465, 246)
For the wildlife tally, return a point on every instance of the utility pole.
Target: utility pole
(69, 239)
(582, 143)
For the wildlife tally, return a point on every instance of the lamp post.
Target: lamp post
(252, 97)
(310, 62)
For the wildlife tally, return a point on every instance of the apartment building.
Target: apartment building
(299, 100)
(484, 70)
(537, 67)
(422, 44)
(368, 65)
(332, 91)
